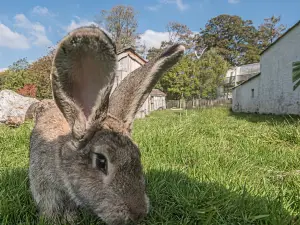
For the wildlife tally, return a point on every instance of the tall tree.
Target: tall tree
(141, 48)
(178, 81)
(192, 77)
(210, 73)
(16, 76)
(270, 30)
(153, 52)
(232, 36)
(178, 33)
(121, 23)
(21, 64)
(40, 70)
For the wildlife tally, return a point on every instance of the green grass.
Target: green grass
(202, 167)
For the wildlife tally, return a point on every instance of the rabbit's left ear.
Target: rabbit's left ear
(82, 76)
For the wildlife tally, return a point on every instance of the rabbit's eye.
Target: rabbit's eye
(101, 162)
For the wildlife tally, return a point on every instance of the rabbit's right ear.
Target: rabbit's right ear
(82, 75)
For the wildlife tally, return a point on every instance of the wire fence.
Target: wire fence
(197, 103)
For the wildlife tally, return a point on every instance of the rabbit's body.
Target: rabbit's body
(81, 153)
(51, 131)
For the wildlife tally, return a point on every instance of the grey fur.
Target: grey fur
(80, 123)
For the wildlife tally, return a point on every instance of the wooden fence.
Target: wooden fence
(197, 103)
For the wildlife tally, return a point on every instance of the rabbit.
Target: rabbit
(81, 151)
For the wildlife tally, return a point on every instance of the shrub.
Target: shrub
(30, 80)
(28, 90)
(15, 80)
(41, 70)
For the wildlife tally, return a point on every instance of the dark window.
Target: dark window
(252, 93)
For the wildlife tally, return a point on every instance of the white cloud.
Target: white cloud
(11, 39)
(79, 23)
(3, 69)
(36, 30)
(154, 8)
(180, 5)
(41, 11)
(153, 38)
(233, 1)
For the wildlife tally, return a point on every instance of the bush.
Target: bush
(32, 80)
(28, 90)
(15, 80)
(41, 70)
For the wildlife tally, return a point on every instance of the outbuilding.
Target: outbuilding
(128, 61)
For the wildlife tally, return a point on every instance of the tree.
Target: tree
(15, 80)
(178, 81)
(210, 73)
(121, 23)
(19, 65)
(141, 48)
(30, 80)
(232, 37)
(178, 33)
(17, 76)
(270, 30)
(192, 77)
(153, 52)
(40, 70)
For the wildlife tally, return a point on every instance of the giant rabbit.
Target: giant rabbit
(81, 151)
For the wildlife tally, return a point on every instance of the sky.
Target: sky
(28, 28)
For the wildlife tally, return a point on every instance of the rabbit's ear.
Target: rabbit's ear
(82, 76)
(132, 92)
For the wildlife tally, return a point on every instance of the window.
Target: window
(252, 93)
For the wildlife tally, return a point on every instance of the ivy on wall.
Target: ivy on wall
(296, 74)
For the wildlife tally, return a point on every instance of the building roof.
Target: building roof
(251, 78)
(157, 93)
(130, 49)
(290, 29)
(245, 69)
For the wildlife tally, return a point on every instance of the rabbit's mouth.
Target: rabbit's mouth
(114, 214)
(139, 211)
(116, 218)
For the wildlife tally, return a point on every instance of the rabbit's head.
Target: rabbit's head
(101, 165)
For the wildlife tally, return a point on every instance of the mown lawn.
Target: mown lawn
(202, 167)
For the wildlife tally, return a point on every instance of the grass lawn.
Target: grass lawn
(202, 167)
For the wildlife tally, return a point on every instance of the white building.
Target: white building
(235, 76)
(128, 61)
(242, 73)
(273, 90)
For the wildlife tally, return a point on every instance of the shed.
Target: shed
(276, 89)
(128, 61)
(157, 100)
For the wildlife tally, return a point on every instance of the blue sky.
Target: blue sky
(28, 28)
